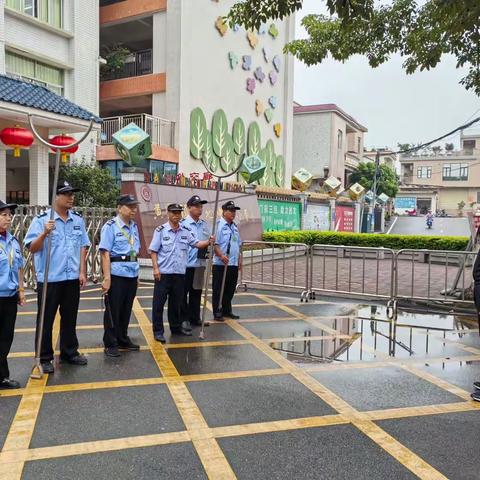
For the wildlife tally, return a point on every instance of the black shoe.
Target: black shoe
(186, 327)
(476, 395)
(76, 360)
(187, 333)
(8, 384)
(112, 352)
(47, 367)
(218, 318)
(129, 347)
(159, 337)
(476, 385)
(231, 315)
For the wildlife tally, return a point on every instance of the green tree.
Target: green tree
(387, 180)
(420, 32)
(98, 187)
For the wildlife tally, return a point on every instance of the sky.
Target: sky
(394, 106)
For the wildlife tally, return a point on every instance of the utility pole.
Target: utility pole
(374, 199)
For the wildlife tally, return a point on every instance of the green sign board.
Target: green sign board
(280, 215)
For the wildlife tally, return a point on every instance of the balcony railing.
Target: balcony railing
(161, 131)
(466, 152)
(137, 64)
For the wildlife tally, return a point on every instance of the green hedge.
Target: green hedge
(395, 242)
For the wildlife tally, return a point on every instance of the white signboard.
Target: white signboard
(317, 217)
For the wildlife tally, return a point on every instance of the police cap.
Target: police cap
(11, 206)
(195, 200)
(230, 205)
(127, 200)
(175, 207)
(64, 187)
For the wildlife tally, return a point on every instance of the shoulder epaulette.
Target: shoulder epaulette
(40, 215)
(111, 222)
(77, 213)
(159, 229)
(187, 228)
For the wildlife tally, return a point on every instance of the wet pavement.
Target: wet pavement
(318, 390)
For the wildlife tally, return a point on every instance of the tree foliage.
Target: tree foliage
(387, 180)
(420, 33)
(98, 187)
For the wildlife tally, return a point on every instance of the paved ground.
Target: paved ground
(442, 226)
(290, 390)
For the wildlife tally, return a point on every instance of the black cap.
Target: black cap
(11, 206)
(230, 205)
(175, 207)
(127, 200)
(64, 187)
(195, 200)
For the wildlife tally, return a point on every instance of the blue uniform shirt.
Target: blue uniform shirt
(68, 238)
(117, 243)
(172, 247)
(202, 231)
(11, 260)
(228, 234)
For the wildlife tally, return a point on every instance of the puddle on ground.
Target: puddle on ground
(367, 335)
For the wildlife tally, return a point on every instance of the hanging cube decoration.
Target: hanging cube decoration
(332, 186)
(355, 191)
(383, 198)
(301, 179)
(369, 196)
(132, 144)
(252, 169)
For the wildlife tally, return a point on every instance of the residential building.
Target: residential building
(182, 57)
(52, 44)
(442, 180)
(326, 140)
(387, 157)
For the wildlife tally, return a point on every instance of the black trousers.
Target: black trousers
(8, 315)
(171, 286)
(230, 286)
(119, 303)
(193, 299)
(66, 296)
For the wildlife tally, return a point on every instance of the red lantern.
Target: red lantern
(62, 140)
(16, 138)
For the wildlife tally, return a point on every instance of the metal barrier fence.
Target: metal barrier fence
(276, 264)
(435, 278)
(365, 272)
(94, 219)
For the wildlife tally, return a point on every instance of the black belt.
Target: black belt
(123, 258)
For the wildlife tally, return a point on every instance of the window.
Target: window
(48, 11)
(359, 144)
(115, 167)
(455, 171)
(163, 168)
(424, 172)
(37, 72)
(478, 197)
(339, 139)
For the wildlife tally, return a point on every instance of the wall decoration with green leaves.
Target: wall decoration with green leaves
(221, 149)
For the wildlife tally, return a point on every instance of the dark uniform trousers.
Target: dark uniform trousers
(171, 286)
(193, 298)
(120, 302)
(229, 290)
(66, 296)
(476, 284)
(8, 314)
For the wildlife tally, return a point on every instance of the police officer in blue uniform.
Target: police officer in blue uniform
(194, 275)
(12, 292)
(227, 253)
(119, 246)
(169, 253)
(67, 273)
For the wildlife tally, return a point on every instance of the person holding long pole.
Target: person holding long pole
(226, 263)
(67, 274)
(12, 292)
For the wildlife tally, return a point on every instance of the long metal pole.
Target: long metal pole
(374, 199)
(210, 261)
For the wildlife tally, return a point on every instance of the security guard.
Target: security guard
(67, 273)
(12, 292)
(169, 253)
(227, 255)
(119, 246)
(194, 274)
(476, 297)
